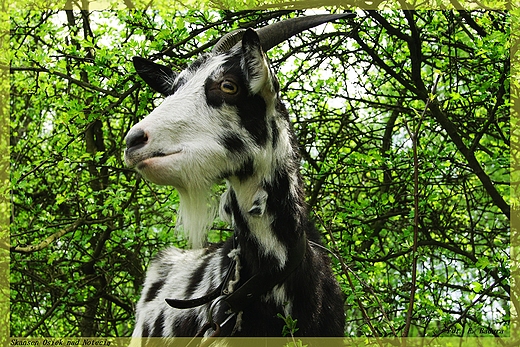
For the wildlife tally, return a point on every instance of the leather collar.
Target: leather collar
(251, 289)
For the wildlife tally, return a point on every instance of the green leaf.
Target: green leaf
(482, 262)
(476, 287)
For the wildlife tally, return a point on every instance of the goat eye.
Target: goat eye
(228, 87)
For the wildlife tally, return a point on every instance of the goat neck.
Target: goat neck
(222, 118)
(264, 197)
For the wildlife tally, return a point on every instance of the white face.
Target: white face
(212, 126)
(180, 136)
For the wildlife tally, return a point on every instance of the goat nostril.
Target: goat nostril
(136, 139)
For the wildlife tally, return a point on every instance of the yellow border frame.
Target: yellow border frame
(512, 6)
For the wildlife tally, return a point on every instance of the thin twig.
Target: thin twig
(472, 304)
(346, 271)
(49, 312)
(80, 83)
(414, 135)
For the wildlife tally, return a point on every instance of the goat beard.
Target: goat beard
(196, 213)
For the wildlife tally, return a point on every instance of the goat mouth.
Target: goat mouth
(155, 156)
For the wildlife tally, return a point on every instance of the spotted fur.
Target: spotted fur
(206, 131)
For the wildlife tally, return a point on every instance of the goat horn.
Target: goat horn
(278, 32)
(228, 41)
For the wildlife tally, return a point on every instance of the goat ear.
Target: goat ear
(256, 66)
(159, 77)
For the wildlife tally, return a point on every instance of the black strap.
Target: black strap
(190, 303)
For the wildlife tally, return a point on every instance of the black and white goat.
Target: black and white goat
(222, 118)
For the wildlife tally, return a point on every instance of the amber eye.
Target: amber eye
(228, 87)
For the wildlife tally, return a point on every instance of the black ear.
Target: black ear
(159, 77)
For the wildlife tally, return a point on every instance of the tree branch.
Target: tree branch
(50, 239)
(447, 125)
(472, 161)
(80, 83)
(377, 60)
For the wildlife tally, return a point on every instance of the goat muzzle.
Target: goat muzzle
(136, 139)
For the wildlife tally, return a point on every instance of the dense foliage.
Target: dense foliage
(403, 123)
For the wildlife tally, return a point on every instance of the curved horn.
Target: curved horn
(228, 41)
(278, 32)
